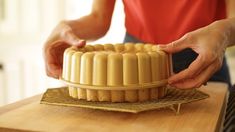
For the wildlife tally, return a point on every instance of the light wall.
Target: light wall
(24, 27)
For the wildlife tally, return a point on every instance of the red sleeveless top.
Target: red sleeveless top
(163, 21)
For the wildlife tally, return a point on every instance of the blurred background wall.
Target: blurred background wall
(24, 27)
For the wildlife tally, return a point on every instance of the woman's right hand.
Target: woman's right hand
(61, 38)
(90, 27)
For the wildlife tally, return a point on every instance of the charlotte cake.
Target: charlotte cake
(116, 73)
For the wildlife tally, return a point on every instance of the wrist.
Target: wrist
(226, 28)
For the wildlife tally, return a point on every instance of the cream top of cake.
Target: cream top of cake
(118, 48)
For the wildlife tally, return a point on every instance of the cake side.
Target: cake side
(121, 65)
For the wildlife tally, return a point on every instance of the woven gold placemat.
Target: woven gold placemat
(174, 97)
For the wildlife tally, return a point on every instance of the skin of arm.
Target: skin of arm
(97, 23)
(231, 22)
(74, 33)
(210, 43)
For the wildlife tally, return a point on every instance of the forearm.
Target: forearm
(230, 21)
(231, 38)
(230, 8)
(89, 27)
(224, 29)
(97, 23)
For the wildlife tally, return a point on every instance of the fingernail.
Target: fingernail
(81, 43)
(56, 76)
(172, 85)
(82, 40)
(161, 46)
(170, 81)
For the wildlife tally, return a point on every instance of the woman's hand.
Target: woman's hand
(90, 27)
(210, 43)
(61, 38)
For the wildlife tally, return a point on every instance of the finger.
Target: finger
(48, 73)
(178, 45)
(53, 58)
(198, 80)
(54, 71)
(56, 74)
(194, 68)
(70, 38)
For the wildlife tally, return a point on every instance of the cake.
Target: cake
(116, 72)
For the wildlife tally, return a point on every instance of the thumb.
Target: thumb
(70, 38)
(177, 45)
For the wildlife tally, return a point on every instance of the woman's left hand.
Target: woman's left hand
(210, 43)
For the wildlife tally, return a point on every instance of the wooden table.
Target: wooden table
(205, 115)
